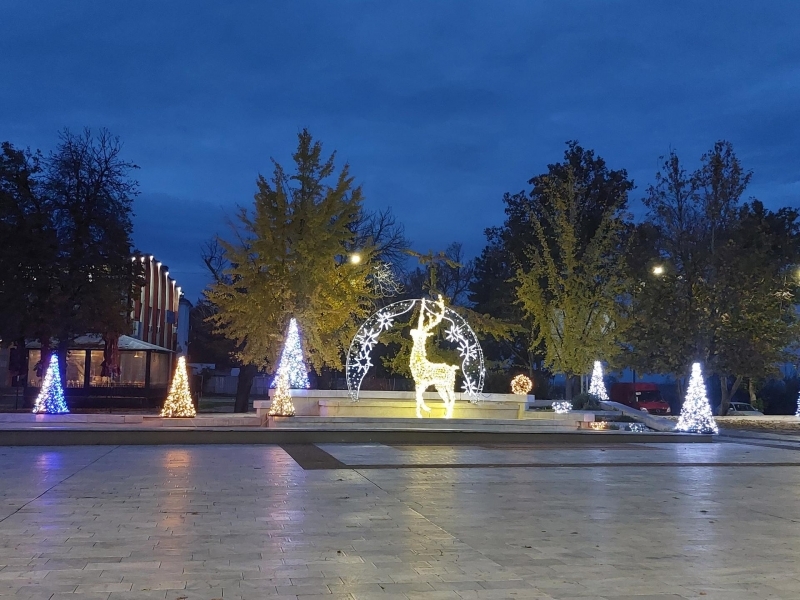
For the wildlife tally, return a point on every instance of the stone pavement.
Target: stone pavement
(624, 522)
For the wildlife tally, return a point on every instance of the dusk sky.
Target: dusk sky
(439, 107)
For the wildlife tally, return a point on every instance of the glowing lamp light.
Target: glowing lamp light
(521, 385)
(51, 396)
(355, 258)
(179, 401)
(658, 270)
(696, 414)
(596, 386)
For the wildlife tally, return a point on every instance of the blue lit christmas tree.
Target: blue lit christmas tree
(291, 362)
(696, 412)
(51, 396)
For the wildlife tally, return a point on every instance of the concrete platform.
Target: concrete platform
(547, 424)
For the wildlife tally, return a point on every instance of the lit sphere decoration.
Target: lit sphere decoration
(458, 333)
(521, 385)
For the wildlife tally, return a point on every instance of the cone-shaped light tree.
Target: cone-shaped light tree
(281, 400)
(797, 412)
(292, 363)
(51, 397)
(596, 386)
(696, 414)
(179, 401)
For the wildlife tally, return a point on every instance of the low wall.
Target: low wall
(337, 403)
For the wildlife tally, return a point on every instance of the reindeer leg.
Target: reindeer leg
(421, 403)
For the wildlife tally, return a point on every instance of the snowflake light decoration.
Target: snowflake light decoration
(458, 332)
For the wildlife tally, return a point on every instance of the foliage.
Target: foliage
(586, 402)
(572, 290)
(288, 258)
(727, 291)
(67, 269)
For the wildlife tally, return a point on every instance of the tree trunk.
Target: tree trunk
(751, 389)
(727, 394)
(63, 348)
(246, 375)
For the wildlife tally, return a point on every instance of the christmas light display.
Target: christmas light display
(696, 412)
(291, 362)
(425, 373)
(458, 333)
(281, 399)
(562, 407)
(521, 385)
(797, 412)
(384, 281)
(51, 396)
(179, 401)
(596, 386)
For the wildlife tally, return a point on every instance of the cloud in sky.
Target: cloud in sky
(439, 107)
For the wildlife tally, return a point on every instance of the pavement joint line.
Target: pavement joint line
(86, 466)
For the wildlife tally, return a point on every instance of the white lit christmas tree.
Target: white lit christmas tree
(797, 412)
(696, 412)
(596, 386)
(179, 401)
(291, 362)
(281, 400)
(51, 396)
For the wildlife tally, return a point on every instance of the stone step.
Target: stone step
(377, 423)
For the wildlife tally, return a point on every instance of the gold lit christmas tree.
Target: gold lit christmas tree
(179, 402)
(281, 400)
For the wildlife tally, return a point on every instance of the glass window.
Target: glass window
(132, 368)
(76, 367)
(33, 359)
(95, 370)
(159, 369)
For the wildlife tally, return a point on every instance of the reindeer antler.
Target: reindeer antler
(435, 319)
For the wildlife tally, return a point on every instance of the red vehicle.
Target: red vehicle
(643, 396)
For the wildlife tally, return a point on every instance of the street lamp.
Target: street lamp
(355, 258)
(658, 270)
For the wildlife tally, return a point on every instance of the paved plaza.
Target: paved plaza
(628, 521)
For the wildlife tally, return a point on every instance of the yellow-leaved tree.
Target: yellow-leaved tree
(289, 257)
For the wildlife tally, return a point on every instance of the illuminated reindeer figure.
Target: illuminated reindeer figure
(426, 374)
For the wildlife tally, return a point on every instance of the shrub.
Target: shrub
(586, 402)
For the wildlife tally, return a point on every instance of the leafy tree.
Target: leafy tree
(725, 297)
(288, 258)
(572, 290)
(602, 190)
(68, 269)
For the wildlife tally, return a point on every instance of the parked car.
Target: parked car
(645, 397)
(742, 409)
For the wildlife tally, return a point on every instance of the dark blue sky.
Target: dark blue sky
(440, 107)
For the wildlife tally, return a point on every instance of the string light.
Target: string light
(179, 401)
(425, 373)
(51, 397)
(281, 399)
(291, 363)
(696, 412)
(562, 407)
(797, 412)
(521, 385)
(597, 387)
(459, 333)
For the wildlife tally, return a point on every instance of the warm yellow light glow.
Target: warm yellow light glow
(598, 425)
(355, 258)
(281, 400)
(658, 270)
(179, 401)
(425, 373)
(521, 385)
